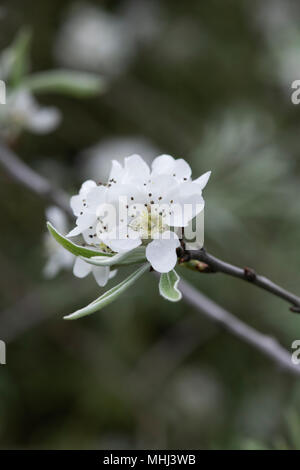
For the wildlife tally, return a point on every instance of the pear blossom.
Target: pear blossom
(23, 112)
(101, 273)
(59, 258)
(147, 206)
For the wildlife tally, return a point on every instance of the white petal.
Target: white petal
(203, 179)
(86, 187)
(95, 197)
(188, 202)
(163, 164)
(81, 268)
(79, 202)
(126, 244)
(182, 169)
(118, 241)
(74, 232)
(89, 234)
(85, 220)
(132, 192)
(76, 204)
(160, 188)
(116, 172)
(136, 168)
(167, 165)
(44, 120)
(101, 274)
(162, 253)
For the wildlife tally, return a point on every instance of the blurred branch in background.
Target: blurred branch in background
(24, 175)
(267, 345)
(30, 179)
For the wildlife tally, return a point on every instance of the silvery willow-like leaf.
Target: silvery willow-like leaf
(64, 81)
(137, 255)
(168, 286)
(77, 250)
(109, 296)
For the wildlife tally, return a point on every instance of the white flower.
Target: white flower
(93, 39)
(101, 273)
(149, 205)
(59, 258)
(23, 112)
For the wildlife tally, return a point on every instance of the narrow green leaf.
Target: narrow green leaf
(137, 255)
(108, 296)
(168, 286)
(20, 56)
(76, 250)
(78, 84)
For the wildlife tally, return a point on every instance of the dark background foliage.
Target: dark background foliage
(209, 82)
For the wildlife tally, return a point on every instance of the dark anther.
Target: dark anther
(250, 274)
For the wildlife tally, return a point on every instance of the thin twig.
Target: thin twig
(267, 345)
(216, 265)
(270, 347)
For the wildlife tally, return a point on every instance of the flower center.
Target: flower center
(148, 223)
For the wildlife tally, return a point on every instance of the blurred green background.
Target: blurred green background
(206, 81)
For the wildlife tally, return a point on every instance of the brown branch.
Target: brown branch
(215, 265)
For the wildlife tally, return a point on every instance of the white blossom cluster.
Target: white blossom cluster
(139, 206)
